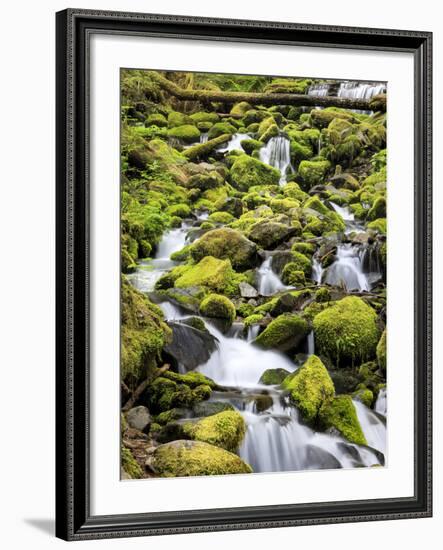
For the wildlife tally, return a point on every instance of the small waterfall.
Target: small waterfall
(311, 343)
(204, 137)
(371, 263)
(172, 241)
(360, 90)
(319, 90)
(276, 153)
(343, 211)
(239, 363)
(252, 334)
(317, 271)
(234, 144)
(381, 405)
(373, 428)
(347, 269)
(269, 282)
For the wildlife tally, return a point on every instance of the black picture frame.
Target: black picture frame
(73, 518)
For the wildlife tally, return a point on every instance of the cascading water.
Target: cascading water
(381, 405)
(234, 144)
(276, 153)
(347, 269)
(269, 281)
(373, 427)
(360, 90)
(319, 90)
(317, 270)
(343, 211)
(311, 343)
(148, 272)
(204, 137)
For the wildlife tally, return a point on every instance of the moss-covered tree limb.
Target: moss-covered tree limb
(141, 388)
(256, 98)
(203, 149)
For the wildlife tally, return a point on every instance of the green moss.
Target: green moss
(292, 275)
(322, 295)
(301, 263)
(205, 181)
(178, 119)
(156, 119)
(347, 331)
(292, 189)
(196, 458)
(341, 415)
(211, 273)
(187, 133)
(218, 306)
(271, 132)
(182, 254)
(221, 128)
(247, 172)
(286, 330)
(129, 464)
(143, 333)
(225, 243)
(179, 210)
(169, 416)
(283, 205)
(378, 209)
(323, 117)
(252, 319)
(273, 377)
(240, 109)
(225, 429)
(221, 217)
(203, 116)
(172, 390)
(310, 388)
(251, 145)
(381, 351)
(313, 172)
(191, 379)
(364, 395)
(380, 226)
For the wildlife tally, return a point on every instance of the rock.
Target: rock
(190, 346)
(347, 332)
(310, 388)
(273, 377)
(212, 273)
(226, 244)
(283, 333)
(381, 352)
(225, 429)
(247, 172)
(318, 458)
(262, 403)
(284, 304)
(195, 458)
(313, 172)
(209, 408)
(340, 413)
(269, 234)
(139, 418)
(218, 306)
(233, 205)
(247, 290)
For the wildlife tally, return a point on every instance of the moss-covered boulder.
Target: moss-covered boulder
(310, 388)
(178, 119)
(347, 331)
(187, 133)
(273, 377)
(211, 273)
(247, 172)
(221, 128)
(283, 333)
(179, 210)
(143, 333)
(195, 458)
(365, 396)
(204, 181)
(226, 243)
(379, 226)
(218, 306)
(165, 393)
(381, 352)
(378, 209)
(340, 414)
(203, 116)
(300, 262)
(268, 233)
(321, 118)
(156, 119)
(293, 276)
(251, 145)
(129, 465)
(313, 172)
(240, 109)
(225, 429)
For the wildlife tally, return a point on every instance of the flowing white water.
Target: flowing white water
(311, 343)
(319, 90)
(252, 334)
(172, 241)
(276, 153)
(317, 270)
(381, 405)
(373, 428)
(234, 144)
(203, 137)
(347, 269)
(240, 364)
(360, 90)
(343, 211)
(269, 281)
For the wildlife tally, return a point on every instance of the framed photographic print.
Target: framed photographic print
(243, 274)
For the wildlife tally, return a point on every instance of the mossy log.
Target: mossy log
(263, 98)
(203, 149)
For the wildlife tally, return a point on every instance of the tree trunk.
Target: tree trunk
(254, 98)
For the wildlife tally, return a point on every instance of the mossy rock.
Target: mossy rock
(240, 108)
(205, 181)
(293, 276)
(178, 119)
(313, 172)
(193, 379)
(268, 234)
(301, 263)
(164, 394)
(251, 145)
(211, 273)
(365, 396)
(381, 352)
(379, 226)
(252, 319)
(321, 118)
(378, 209)
(221, 217)
(226, 243)
(187, 133)
(283, 333)
(203, 116)
(209, 408)
(340, 414)
(310, 388)
(181, 255)
(179, 210)
(283, 205)
(347, 331)
(143, 333)
(218, 306)
(247, 172)
(225, 429)
(130, 466)
(273, 377)
(195, 458)
(156, 119)
(220, 129)
(323, 295)
(293, 190)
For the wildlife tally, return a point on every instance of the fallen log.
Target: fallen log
(257, 98)
(203, 149)
(141, 388)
